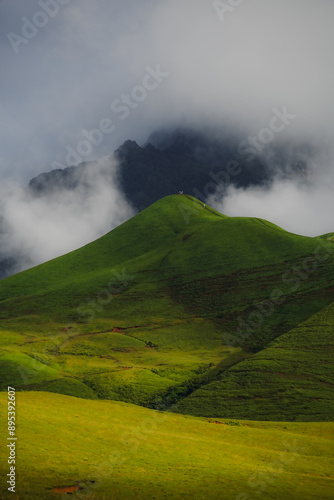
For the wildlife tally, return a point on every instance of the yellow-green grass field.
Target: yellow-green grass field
(114, 450)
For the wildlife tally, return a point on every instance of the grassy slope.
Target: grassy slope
(120, 451)
(174, 281)
(290, 379)
(172, 237)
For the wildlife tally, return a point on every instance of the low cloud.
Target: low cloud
(35, 229)
(300, 208)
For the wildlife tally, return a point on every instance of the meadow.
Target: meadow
(185, 354)
(105, 449)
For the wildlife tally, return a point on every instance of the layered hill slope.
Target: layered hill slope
(293, 376)
(165, 305)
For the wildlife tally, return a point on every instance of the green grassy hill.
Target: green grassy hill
(166, 304)
(292, 378)
(103, 450)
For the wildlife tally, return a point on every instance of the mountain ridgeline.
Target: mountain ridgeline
(199, 163)
(180, 308)
(187, 160)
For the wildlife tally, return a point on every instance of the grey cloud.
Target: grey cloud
(300, 209)
(36, 229)
(228, 74)
(264, 55)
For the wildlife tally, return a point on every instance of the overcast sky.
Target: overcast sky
(235, 67)
(203, 62)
